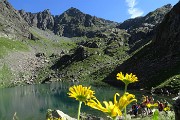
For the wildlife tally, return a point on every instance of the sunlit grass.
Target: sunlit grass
(7, 45)
(5, 76)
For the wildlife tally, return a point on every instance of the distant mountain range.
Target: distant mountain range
(79, 47)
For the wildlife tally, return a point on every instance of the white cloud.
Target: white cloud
(132, 10)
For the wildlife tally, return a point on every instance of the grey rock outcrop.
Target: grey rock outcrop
(43, 20)
(11, 23)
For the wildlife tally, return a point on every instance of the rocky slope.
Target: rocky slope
(160, 60)
(142, 29)
(11, 23)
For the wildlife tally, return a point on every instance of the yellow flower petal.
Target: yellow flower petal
(81, 93)
(115, 100)
(111, 109)
(128, 78)
(125, 100)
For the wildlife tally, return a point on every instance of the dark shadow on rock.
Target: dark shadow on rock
(64, 61)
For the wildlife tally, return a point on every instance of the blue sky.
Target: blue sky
(115, 10)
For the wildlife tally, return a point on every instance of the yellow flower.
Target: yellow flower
(167, 108)
(81, 93)
(128, 78)
(113, 109)
(125, 100)
(110, 109)
(149, 105)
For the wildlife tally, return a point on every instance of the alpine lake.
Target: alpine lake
(32, 102)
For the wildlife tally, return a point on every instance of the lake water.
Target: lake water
(31, 102)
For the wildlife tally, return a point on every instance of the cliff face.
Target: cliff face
(43, 20)
(159, 60)
(11, 23)
(71, 23)
(167, 38)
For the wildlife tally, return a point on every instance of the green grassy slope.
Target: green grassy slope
(7, 45)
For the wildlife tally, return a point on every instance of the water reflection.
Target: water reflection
(31, 102)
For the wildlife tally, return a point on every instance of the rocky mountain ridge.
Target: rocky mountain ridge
(142, 29)
(71, 23)
(159, 60)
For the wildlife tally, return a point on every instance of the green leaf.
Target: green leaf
(156, 115)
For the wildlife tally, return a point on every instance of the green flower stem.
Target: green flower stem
(79, 109)
(125, 113)
(125, 90)
(125, 107)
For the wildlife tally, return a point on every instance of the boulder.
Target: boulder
(40, 54)
(58, 114)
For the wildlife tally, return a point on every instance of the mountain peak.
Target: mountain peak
(74, 9)
(167, 6)
(162, 10)
(47, 11)
(73, 12)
